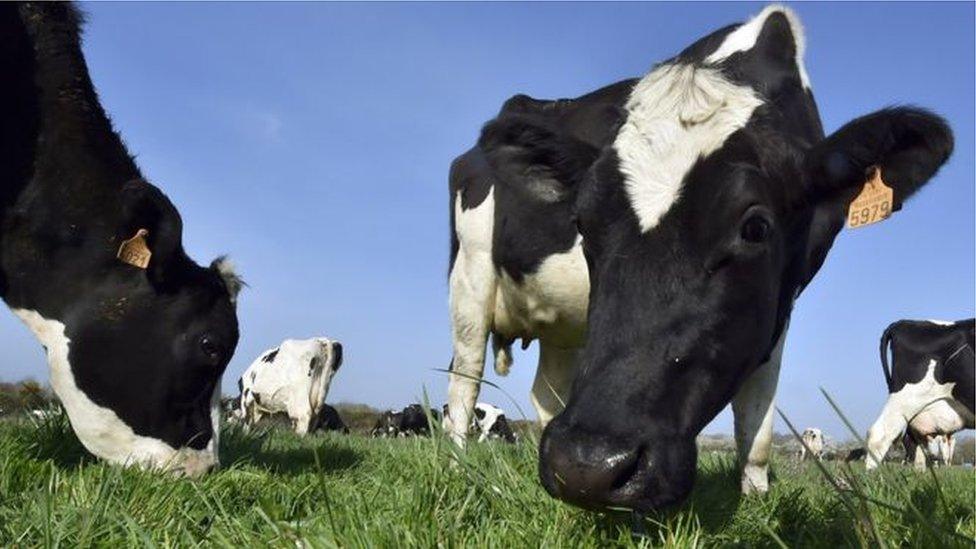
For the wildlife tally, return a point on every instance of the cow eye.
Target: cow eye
(756, 229)
(210, 348)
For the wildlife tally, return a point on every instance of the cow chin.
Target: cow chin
(597, 472)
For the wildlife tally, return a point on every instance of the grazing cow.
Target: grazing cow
(388, 425)
(492, 423)
(328, 419)
(813, 444)
(411, 421)
(930, 384)
(653, 235)
(293, 378)
(488, 421)
(136, 343)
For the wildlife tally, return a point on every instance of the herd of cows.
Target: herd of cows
(652, 235)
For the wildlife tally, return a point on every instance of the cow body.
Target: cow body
(293, 378)
(812, 444)
(930, 386)
(491, 424)
(135, 352)
(653, 236)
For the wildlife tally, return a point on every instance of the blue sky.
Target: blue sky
(312, 142)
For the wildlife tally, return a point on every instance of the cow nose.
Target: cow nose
(588, 471)
(337, 353)
(592, 469)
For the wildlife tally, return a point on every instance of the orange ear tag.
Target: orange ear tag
(873, 204)
(134, 251)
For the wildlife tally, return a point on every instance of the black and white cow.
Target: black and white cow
(293, 378)
(487, 421)
(930, 384)
(135, 354)
(653, 236)
(411, 421)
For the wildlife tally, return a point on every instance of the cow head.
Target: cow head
(135, 354)
(702, 220)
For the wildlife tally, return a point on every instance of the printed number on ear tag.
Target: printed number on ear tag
(873, 204)
(134, 251)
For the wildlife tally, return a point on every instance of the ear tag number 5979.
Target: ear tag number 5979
(874, 203)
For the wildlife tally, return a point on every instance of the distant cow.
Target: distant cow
(388, 425)
(328, 419)
(488, 421)
(813, 444)
(136, 333)
(930, 383)
(293, 378)
(411, 421)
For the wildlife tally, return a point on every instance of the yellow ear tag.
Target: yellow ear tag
(873, 204)
(134, 251)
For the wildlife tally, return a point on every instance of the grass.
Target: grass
(332, 490)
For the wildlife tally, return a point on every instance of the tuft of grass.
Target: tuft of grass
(276, 489)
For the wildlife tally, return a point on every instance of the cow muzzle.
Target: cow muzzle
(595, 471)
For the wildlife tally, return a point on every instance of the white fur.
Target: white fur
(676, 115)
(905, 406)
(753, 417)
(287, 385)
(99, 429)
(744, 38)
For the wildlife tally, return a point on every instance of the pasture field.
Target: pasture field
(330, 490)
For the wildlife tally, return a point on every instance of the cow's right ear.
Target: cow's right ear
(526, 151)
(146, 207)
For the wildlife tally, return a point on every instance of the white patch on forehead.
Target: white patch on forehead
(744, 38)
(99, 429)
(675, 115)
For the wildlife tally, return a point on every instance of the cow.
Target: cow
(653, 236)
(812, 444)
(328, 419)
(488, 421)
(293, 378)
(411, 421)
(930, 385)
(387, 425)
(136, 334)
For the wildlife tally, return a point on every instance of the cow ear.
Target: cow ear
(146, 207)
(224, 267)
(908, 145)
(528, 152)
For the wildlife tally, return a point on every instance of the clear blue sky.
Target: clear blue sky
(312, 142)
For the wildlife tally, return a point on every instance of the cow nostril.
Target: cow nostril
(626, 469)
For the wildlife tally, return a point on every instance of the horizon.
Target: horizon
(312, 143)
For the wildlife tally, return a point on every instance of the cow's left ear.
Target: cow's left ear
(908, 145)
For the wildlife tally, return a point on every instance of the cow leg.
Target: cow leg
(752, 408)
(950, 449)
(473, 285)
(553, 380)
(920, 458)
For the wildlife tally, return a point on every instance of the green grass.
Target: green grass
(332, 490)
